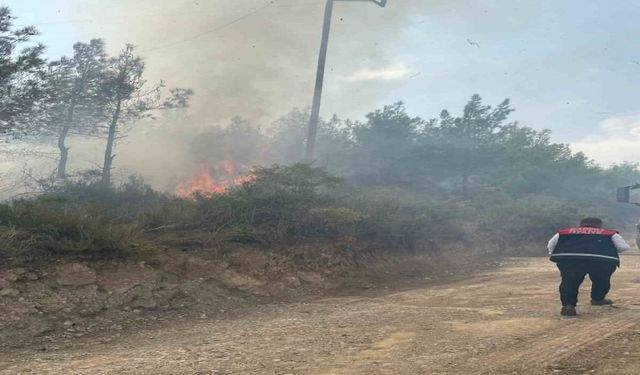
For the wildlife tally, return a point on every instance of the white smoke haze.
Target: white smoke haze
(616, 142)
(394, 72)
(257, 59)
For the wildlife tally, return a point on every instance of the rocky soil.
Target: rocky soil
(503, 321)
(44, 305)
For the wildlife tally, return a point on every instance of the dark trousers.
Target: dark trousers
(573, 272)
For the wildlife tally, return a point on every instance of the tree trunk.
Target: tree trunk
(465, 173)
(108, 156)
(465, 183)
(62, 137)
(64, 152)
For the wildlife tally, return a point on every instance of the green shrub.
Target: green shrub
(53, 226)
(297, 179)
(399, 226)
(130, 199)
(302, 202)
(528, 219)
(276, 205)
(280, 205)
(15, 243)
(329, 222)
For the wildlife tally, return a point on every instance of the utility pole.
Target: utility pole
(317, 93)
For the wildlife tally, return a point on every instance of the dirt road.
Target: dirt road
(500, 322)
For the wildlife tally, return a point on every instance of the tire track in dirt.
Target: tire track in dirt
(575, 337)
(377, 352)
(503, 322)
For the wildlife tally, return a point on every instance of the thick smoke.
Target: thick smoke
(256, 59)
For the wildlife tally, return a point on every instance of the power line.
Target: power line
(270, 4)
(119, 19)
(223, 26)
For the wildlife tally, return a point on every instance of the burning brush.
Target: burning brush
(213, 180)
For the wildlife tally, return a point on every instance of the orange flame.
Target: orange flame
(203, 183)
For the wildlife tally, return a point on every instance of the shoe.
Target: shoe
(568, 311)
(602, 302)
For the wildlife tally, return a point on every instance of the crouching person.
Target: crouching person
(586, 250)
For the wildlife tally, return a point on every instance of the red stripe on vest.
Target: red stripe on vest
(588, 230)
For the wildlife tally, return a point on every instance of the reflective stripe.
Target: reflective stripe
(585, 255)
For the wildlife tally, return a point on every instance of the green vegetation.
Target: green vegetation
(280, 206)
(393, 181)
(47, 226)
(404, 185)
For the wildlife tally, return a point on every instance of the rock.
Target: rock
(7, 278)
(75, 274)
(147, 303)
(9, 292)
(19, 272)
(142, 297)
(123, 279)
(236, 280)
(293, 282)
(38, 326)
(118, 300)
(52, 302)
(31, 276)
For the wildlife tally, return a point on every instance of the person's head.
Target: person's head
(591, 222)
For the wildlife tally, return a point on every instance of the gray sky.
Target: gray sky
(572, 66)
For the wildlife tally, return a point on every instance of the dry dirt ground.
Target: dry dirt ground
(503, 321)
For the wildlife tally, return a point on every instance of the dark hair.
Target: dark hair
(591, 222)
